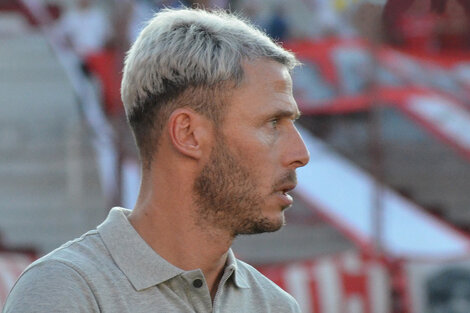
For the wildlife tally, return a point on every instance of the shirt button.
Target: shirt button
(197, 283)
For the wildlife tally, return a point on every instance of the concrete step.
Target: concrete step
(46, 156)
(44, 100)
(49, 230)
(13, 24)
(25, 50)
(49, 182)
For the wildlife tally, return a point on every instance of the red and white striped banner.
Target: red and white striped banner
(346, 283)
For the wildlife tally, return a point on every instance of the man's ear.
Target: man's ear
(189, 132)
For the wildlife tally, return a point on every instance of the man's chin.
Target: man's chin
(263, 225)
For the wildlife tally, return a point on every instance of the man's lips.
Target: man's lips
(283, 194)
(285, 198)
(284, 186)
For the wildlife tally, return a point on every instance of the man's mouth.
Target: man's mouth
(284, 195)
(288, 188)
(284, 186)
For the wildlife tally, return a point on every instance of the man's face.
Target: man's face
(243, 187)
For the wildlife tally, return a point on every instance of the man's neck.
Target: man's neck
(172, 233)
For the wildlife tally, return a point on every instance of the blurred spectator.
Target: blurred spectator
(85, 28)
(328, 19)
(427, 24)
(322, 21)
(297, 19)
(367, 20)
(277, 26)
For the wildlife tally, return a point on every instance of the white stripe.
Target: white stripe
(378, 285)
(330, 290)
(297, 283)
(354, 304)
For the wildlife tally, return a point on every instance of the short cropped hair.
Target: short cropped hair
(188, 58)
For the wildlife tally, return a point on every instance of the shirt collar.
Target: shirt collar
(238, 276)
(136, 259)
(139, 262)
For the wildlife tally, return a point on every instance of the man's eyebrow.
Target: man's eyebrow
(288, 113)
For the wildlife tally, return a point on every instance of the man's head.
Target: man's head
(188, 58)
(213, 96)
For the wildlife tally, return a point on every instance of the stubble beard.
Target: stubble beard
(226, 196)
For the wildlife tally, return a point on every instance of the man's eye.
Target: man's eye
(274, 123)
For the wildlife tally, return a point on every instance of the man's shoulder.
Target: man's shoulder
(266, 289)
(62, 274)
(82, 253)
(85, 256)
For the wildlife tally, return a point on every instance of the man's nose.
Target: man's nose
(297, 153)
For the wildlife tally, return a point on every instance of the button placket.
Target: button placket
(197, 291)
(229, 271)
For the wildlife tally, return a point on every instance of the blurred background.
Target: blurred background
(382, 211)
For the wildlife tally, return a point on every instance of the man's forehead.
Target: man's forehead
(283, 85)
(264, 67)
(266, 88)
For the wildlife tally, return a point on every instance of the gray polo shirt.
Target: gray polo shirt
(112, 269)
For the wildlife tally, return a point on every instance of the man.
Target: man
(85, 28)
(209, 100)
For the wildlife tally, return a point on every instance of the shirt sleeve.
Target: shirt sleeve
(51, 286)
